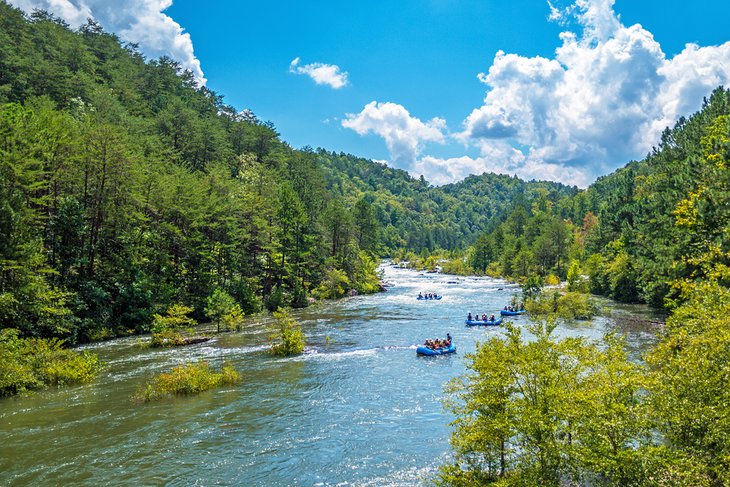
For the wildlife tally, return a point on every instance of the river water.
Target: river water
(357, 408)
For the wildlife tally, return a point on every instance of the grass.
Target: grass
(186, 379)
(28, 364)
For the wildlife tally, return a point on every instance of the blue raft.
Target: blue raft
(484, 323)
(505, 312)
(422, 350)
(424, 298)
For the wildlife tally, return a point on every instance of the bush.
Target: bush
(552, 280)
(568, 306)
(233, 319)
(333, 286)
(289, 339)
(576, 281)
(167, 330)
(186, 379)
(457, 267)
(576, 306)
(34, 363)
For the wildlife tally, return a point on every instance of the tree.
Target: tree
(219, 304)
(366, 226)
(291, 219)
(545, 411)
(689, 394)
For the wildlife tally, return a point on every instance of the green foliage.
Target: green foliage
(125, 188)
(233, 318)
(246, 296)
(299, 298)
(288, 339)
(168, 330)
(576, 281)
(34, 363)
(457, 266)
(543, 411)
(648, 232)
(334, 285)
(275, 299)
(186, 379)
(365, 275)
(221, 305)
(689, 393)
(547, 411)
(532, 288)
(576, 306)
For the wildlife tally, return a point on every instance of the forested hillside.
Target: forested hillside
(416, 216)
(126, 188)
(647, 232)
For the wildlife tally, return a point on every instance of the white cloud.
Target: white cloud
(602, 100)
(404, 135)
(322, 74)
(138, 21)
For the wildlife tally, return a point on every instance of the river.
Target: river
(357, 408)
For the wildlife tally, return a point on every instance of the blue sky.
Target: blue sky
(562, 91)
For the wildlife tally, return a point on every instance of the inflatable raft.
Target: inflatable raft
(505, 312)
(424, 298)
(484, 323)
(422, 350)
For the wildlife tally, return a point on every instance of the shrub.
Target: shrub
(576, 306)
(233, 319)
(552, 280)
(289, 339)
(186, 379)
(576, 281)
(34, 363)
(167, 330)
(568, 306)
(333, 286)
(457, 266)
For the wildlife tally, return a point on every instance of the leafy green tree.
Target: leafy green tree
(167, 330)
(689, 393)
(366, 226)
(292, 221)
(219, 305)
(546, 411)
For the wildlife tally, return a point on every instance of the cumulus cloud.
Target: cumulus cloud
(602, 100)
(322, 74)
(137, 21)
(404, 134)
